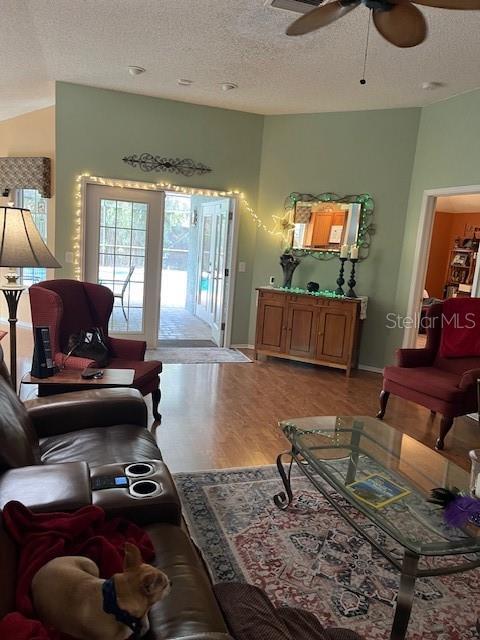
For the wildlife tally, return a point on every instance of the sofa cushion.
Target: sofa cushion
(101, 445)
(460, 321)
(19, 446)
(191, 608)
(427, 380)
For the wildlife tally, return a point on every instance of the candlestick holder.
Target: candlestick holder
(341, 280)
(352, 282)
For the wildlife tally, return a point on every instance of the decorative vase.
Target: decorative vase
(475, 472)
(289, 263)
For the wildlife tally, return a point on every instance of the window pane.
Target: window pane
(121, 247)
(31, 199)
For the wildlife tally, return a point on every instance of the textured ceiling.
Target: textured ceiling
(213, 41)
(459, 204)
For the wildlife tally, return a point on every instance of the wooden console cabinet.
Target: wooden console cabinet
(307, 328)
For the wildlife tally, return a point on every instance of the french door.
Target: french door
(123, 251)
(213, 241)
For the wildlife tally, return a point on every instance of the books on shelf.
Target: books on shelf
(377, 491)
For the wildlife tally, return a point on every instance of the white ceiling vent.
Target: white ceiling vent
(299, 6)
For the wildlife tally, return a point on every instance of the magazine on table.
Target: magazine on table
(377, 491)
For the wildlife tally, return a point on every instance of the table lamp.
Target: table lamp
(21, 245)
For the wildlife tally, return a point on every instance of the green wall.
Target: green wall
(347, 153)
(392, 154)
(96, 128)
(448, 155)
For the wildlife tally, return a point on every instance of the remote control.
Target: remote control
(109, 482)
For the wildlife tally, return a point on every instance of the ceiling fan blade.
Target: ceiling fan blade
(403, 26)
(464, 5)
(321, 16)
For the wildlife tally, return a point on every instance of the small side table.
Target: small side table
(68, 380)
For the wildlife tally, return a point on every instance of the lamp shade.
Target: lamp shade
(21, 244)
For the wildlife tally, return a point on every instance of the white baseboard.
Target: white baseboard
(366, 367)
(242, 346)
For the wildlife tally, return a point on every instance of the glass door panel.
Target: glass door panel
(205, 280)
(123, 253)
(121, 265)
(213, 248)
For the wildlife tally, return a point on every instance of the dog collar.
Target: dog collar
(110, 605)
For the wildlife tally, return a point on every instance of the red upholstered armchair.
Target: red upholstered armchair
(443, 376)
(67, 307)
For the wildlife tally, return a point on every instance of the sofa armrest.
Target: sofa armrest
(54, 415)
(48, 487)
(415, 357)
(128, 349)
(469, 379)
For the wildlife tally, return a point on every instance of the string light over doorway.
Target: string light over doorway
(281, 228)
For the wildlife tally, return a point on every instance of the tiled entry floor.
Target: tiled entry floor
(180, 324)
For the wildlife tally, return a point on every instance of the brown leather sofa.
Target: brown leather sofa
(85, 431)
(51, 449)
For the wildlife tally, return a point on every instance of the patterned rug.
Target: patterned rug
(309, 557)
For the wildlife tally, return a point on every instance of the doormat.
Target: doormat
(196, 355)
(309, 557)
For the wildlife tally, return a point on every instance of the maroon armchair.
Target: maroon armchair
(67, 307)
(442, 376)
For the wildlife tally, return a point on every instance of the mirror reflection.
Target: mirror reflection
(325, 226)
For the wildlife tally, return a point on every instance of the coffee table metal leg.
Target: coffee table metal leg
(406, 593)
(281, 499)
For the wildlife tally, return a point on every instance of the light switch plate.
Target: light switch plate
(242, 267)
(69, 257)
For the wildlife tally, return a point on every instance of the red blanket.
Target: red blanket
(40, 537)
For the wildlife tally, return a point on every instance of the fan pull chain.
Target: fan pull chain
(363, 80)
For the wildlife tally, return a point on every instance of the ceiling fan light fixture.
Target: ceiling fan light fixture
(400, 22)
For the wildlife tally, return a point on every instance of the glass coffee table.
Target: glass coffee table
(333, 452)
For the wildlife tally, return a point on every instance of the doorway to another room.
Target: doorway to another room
(446, 264)
(195, 270)
(168, 258)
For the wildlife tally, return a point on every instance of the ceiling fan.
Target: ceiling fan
(398, 21)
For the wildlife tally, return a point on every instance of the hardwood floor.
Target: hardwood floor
(226, 415)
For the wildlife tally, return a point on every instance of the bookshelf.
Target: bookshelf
(461, 268)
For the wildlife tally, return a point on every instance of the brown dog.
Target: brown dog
(69, 596)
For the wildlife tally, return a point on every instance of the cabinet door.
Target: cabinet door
(334, 341)
(271, 324)
(301, 330)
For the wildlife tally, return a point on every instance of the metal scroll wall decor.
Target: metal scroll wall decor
(184, 166)
(366, 228)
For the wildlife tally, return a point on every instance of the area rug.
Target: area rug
(309, 557)
(196, 355)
